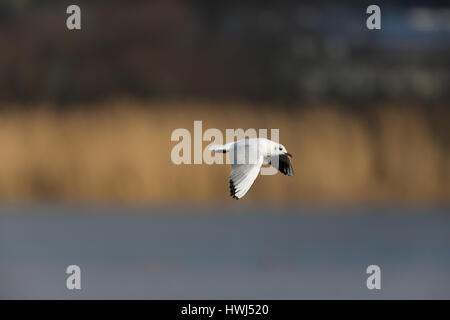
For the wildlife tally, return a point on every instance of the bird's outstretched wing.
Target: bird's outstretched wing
(283, 164)
(242, 177)
(246, 161)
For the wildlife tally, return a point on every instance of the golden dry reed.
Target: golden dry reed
(120, 153)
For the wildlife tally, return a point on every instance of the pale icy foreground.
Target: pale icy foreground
(215, 254)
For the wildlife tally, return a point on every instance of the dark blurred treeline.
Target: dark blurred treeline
(283, 51)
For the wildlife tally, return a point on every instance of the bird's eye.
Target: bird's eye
(281, 148)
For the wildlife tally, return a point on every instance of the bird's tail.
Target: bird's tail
(220, 148)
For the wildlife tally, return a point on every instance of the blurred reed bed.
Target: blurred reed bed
(120, 153)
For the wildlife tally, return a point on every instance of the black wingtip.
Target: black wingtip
(285, 166)
(233, 190)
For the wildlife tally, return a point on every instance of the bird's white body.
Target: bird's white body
(247, 157)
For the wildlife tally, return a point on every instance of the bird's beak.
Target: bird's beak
(288, 154)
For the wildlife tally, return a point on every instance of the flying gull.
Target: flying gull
(247, 157)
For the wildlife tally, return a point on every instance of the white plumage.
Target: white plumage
(247, 157)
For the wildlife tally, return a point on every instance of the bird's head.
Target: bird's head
(279, 149)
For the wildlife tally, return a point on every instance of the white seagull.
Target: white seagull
(247, 157)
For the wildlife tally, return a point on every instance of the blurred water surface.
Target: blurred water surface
(220, 253)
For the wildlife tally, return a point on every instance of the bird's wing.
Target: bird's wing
(282, 163)
(242, 177)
